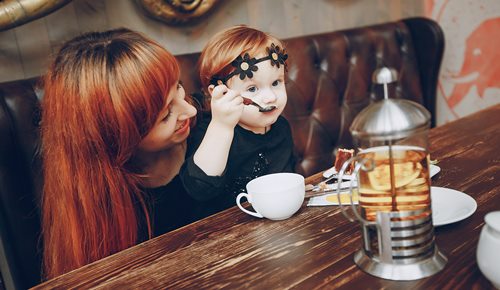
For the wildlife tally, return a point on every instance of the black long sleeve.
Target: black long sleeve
(251, 155)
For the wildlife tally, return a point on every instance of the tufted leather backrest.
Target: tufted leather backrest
(20, 184)
(328, 83)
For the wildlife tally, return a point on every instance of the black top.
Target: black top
(169, 208)
(251, 155)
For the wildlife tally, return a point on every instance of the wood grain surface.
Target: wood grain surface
(314, 248)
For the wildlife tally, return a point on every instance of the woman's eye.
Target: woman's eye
(252, 89)
(179, 84)
(276, 83)
(165, 119)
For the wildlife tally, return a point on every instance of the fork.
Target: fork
(310, 187)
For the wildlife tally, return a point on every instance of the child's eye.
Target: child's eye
(276, 83)
(252, 89)
(179, 84)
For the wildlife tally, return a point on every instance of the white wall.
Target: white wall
(469, 80)
(25, 50)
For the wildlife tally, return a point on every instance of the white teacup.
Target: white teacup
(274, 196)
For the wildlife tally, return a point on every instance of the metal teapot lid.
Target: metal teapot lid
(390, 119)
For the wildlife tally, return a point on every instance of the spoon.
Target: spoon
(248, 101)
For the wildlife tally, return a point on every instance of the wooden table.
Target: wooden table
(314, 248)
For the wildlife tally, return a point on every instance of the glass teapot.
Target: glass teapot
(391, 166)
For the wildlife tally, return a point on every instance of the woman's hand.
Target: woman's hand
(227, 106)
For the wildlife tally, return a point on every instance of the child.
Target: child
(238, 143)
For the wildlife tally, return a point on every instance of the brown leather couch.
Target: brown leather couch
(328, 83)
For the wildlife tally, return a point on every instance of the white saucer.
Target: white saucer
(449, 205)
(434, 169)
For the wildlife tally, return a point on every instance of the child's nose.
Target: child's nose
(269, 97)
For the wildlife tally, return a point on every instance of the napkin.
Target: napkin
(332, 199)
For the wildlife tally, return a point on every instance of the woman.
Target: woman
(115, 120)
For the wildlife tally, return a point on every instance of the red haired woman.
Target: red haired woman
(114, 125)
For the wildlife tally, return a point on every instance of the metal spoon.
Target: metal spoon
(248, 101)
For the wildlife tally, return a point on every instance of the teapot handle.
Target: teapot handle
(360, 164)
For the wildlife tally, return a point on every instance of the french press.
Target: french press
(393, 187)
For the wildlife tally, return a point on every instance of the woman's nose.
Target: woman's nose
(187, 110)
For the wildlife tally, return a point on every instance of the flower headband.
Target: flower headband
(245, 66)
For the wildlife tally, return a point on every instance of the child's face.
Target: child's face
(267, 88)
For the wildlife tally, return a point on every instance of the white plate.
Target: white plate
(449, 205)
(434, 169)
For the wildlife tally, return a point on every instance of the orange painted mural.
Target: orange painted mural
(470, 73)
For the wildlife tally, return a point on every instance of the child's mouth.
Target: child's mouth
(268, 109)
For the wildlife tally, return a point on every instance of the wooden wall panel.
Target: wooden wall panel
(10, 61)
(293, 22)
(25, 51)
(34, 47)
(61, 25)
(91, 14)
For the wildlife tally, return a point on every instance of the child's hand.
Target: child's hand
(227, 106)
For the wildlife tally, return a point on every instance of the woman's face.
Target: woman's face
(267, 88)
(172, 126)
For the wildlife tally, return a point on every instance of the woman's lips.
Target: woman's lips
(183, 127)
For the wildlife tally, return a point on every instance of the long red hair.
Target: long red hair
(103, 93)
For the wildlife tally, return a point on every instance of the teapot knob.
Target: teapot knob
(385, 75)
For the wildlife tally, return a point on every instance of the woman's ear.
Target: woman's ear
(211, 89)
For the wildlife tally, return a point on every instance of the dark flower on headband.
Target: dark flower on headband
(276, 55)
(245, 66)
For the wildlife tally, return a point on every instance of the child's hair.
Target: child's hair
(227, 45)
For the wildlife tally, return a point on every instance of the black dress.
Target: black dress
(251, 155)
(169, 207)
